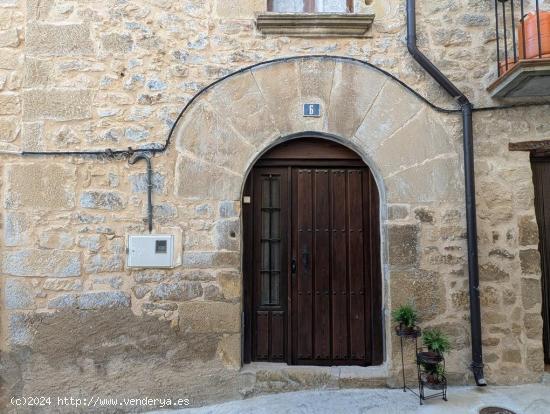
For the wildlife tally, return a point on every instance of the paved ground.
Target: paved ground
(522, 399)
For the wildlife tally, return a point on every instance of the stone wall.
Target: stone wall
(105, 74)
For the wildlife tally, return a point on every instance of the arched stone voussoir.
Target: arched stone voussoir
(206, 135)
(196, 179)
(230, 124)
(419, 140)
(392, 108)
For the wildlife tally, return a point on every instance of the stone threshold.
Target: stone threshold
(280, 377)
(315, 24)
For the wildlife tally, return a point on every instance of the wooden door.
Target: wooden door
(312, 287)
(541, 179)
(335, 291)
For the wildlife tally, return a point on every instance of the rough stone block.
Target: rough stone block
(530, 261)
(208, 137)
(533, 325)
(228, 209)
(226, 235)
(231, 285)
(103, 200)
(104, 263)
(91, 301)
(9, 38)
(352, 83)
(239, 9)
(201, 180)
(58, 40)
(403, 244)
(37, 72)
(210, 317)
(104, 300)
(139, 183)
(425, 289)
(56, 104)
(118, 43)
(59, 285)
(41, 263)
(42, 186)
(32, 136)
(17, 228)
(184, 290)
(10, 58)
(490, 272)
(434, 180)
(9, 129)
(229, 350)
(19, 332)
(55, 240)
(394, 107)
(9, 104)
(18, 295)
(204, 260)
(398, 212)
(528, 231)
(531, 292)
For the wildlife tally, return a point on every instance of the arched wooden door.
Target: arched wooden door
(312, 286)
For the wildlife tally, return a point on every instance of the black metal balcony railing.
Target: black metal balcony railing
(523, 38)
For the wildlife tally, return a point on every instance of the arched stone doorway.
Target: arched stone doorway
(312, 274)
(412, 151)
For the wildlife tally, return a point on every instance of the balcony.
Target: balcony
(523, 49)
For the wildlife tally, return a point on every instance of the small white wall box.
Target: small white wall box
(151, 251)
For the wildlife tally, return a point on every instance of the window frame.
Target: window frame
(309, 6)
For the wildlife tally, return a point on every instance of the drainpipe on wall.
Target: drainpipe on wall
(469, 183)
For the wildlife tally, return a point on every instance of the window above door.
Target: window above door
(310, 6)
(316, 18)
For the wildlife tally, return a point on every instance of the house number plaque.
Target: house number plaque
(312, 110)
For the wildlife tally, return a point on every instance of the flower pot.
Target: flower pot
(407, 331)
(528, 36)
(429, 357)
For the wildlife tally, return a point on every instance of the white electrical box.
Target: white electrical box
(151, 251)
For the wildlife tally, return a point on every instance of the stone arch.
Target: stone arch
(231, 123)
(412, 150)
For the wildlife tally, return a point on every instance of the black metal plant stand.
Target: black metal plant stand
(430, 358)
(422, 358)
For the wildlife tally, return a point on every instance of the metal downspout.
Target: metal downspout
(469, 183)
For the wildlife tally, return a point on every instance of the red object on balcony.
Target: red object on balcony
(532, 36)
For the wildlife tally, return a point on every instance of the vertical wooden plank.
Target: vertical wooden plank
(277, 335)
(356, 267)
(322, 265)
(262, 335)
(304, 328)
(339, 266)
(368, 264)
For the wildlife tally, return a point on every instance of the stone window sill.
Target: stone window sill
(315, 24)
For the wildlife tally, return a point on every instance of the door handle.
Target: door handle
(293, 266)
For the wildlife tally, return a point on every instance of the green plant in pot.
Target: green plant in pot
(407, 318)
(438, 344)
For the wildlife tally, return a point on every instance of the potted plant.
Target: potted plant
(437, 343)
(407, 317)
(433, 375)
